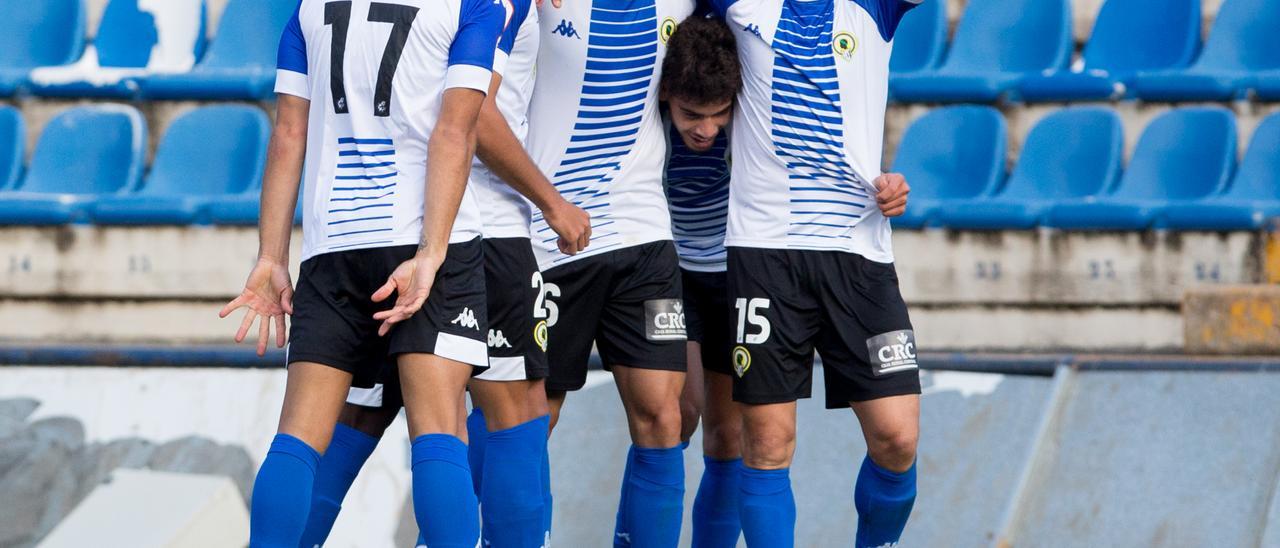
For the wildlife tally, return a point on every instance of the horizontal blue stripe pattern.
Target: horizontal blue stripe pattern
(826, 196)
(622, 48)
(698, 193)
(368, 189)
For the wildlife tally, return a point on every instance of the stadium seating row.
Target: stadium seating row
(1182, 175)
(143, 49)
(1143, 49)
(88, 166)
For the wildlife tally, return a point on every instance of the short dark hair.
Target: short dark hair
(702, 65)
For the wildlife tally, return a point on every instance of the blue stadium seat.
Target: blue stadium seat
(84, 152)
(1245, 39)
(997, 43)
(210, 152)
(129, 44)
(921, 39)
(36, 34)
(1267, 85)
(948, 154)
(1254, 195)
(1072, 153)
(241, 63)
(13, 138)
(243, 209)
(1185, 155)
(1129, 36)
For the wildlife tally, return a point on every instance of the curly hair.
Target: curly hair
(702, 65)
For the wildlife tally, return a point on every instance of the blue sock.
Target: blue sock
(443, 500)
(477, 433)
(767, 508)
(621, 530)
(511, 501)
(546, 487)
(282, 494)
(715, 508)
(655, 505)
(884, 500)
(337, 470)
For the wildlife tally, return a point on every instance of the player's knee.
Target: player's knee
(721, 440)
(770, 449)
(657, 421)
(893, 450)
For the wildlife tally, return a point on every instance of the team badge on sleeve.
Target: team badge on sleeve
(892, 352)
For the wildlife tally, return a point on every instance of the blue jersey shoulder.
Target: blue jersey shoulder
(292, 55)
(480, 25)
(520, 12)
(887, 14)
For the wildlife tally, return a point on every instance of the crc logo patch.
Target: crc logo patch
(666, 29)
(540, 334)
(892, 352)
(664, 320)
(741, 360)
(844, 44)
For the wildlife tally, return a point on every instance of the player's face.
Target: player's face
(698, 124)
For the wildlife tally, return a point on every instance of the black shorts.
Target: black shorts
(626, 302)
(517, 321)
(333, 313)
(789, 302)
(706, 313)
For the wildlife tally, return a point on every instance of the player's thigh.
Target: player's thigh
(434, 391)
(505, 403)
(574, 296)
(313, 397)
(769, 435)
(776, 320)
(867, 344)
(721, 418)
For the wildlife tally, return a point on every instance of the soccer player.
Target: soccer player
(376, 113)
(810, 262)
(510, 391)
(700, 78)
(596, 132)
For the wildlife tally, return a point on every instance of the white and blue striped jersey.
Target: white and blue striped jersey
(698, 192)
(507, 213)
(808, 131)
(595, 129)
(375, 73)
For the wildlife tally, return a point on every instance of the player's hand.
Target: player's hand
(572, 224)
(268, 296)
(411, 282)
(555, 3)
(891, 194)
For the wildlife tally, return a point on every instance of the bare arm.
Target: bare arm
(285, 155)
(500, 150)
(268, 293)
(449, 151)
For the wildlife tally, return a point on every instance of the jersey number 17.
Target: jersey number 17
(401, 18)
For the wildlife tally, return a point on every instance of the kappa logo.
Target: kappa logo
(382, 106)
(741, 360)
(497, 340)
(466, 319)
(565, 29)
(753, 29)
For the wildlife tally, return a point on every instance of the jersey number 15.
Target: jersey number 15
(401, 18)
